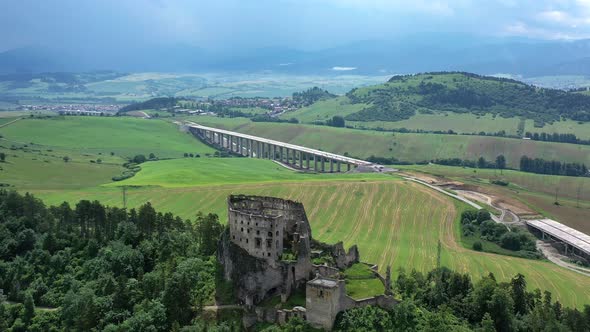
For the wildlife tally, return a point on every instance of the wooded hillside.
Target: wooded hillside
(402, 96)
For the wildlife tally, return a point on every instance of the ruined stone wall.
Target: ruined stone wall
(261, 236)
(326, 271)
(253, 277)
(292, 212)
(342, 258)
(323, 304)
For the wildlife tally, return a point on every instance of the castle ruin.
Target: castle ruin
(267, 251)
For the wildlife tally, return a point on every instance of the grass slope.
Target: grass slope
(47, 170)
(123, 136)
(324, 110)
(220, 171)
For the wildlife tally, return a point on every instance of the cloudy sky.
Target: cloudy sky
(303, 24)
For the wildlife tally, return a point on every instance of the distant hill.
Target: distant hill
(405, 95)
(311, 96)
(154, 103)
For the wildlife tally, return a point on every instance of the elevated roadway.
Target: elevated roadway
(293, 155)
(574, 240)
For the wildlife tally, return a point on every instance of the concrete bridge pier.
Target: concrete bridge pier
(258, 150)
(338, 166)
(300, 159)
(307, 161)
(331, 166)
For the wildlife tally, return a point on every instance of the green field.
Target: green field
(394, 222)
(463, 123)
(124, 136)
(581, 130)
(406, 147)
(324, 110)
(211, 171)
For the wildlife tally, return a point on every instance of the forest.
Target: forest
(103, 268)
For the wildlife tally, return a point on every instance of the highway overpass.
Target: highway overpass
(576, 242)
(293, 155)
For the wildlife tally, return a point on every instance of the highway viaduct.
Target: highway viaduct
(292, 155)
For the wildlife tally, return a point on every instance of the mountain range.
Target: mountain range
(522, 57)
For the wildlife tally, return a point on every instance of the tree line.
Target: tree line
(552, 167)
(556, 137)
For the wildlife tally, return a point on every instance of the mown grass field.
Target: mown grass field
(35, 168)
(405, 147)
(123, 136)
(211, 171)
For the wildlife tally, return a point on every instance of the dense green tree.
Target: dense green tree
(29, 311)
(487, 324)
(482, 163)
(501, 309)
(208, 229)
(501, 162)
(519, 295)
(2, 157)
(364, 319)
(336, 121)
(138, 159)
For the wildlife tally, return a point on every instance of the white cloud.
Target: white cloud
(337, 68)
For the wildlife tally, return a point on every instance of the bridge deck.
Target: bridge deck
(562, 232)
(324, 154)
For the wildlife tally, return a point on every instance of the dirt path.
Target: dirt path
(42, 308)
(222, 307)
(554, 256)
(286, 166)
(11, 122)
(462, 199)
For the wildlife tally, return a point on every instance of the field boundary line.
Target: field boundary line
(9, 123)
